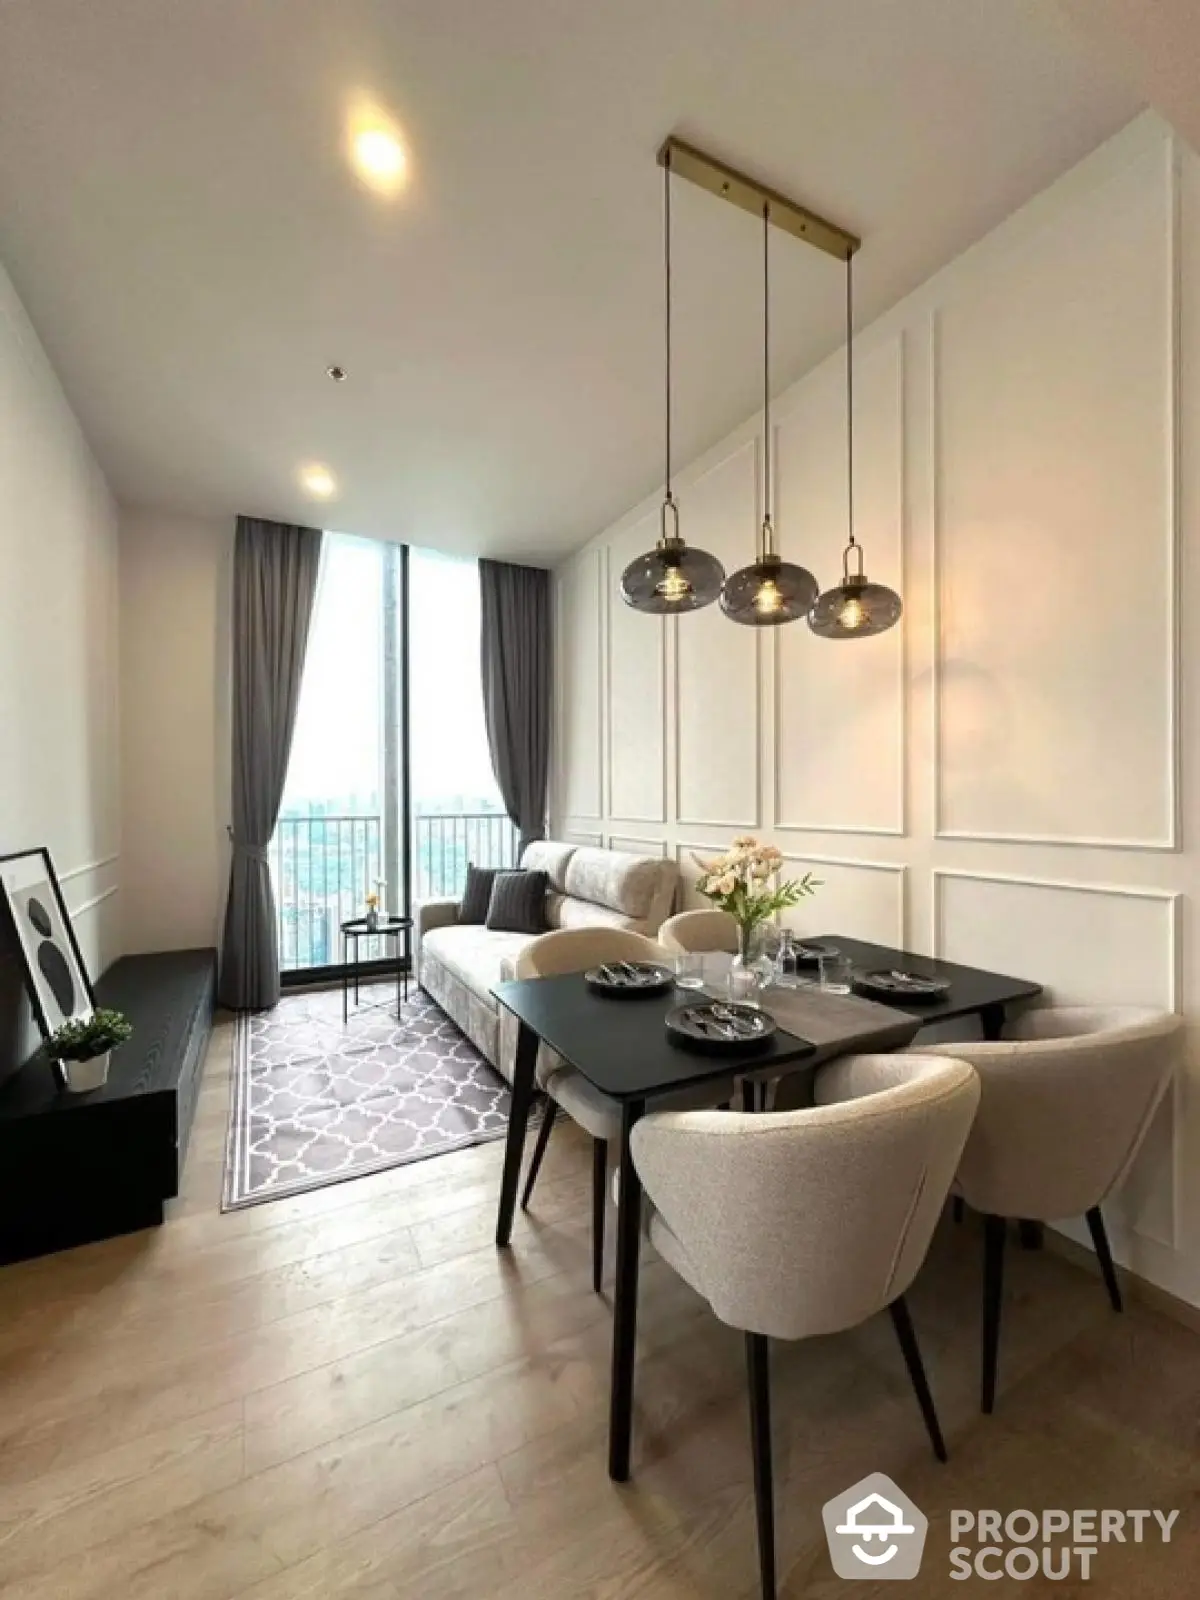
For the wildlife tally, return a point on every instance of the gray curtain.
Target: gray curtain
(274, 585)
(516, 651)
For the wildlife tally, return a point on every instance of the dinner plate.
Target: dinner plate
(717, 1029)
(896, 985)
(628, 980)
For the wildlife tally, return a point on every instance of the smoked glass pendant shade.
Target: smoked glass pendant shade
(856, 608)
(672, 578)
(768, 593)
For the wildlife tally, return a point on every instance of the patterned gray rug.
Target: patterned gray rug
(316, 1102)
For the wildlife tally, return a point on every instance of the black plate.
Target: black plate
(809, 952)
(913, 987)
(695, 1027)
(612, 981)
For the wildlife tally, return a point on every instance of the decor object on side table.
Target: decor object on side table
(745, 883)
(371, 920)
(57, 979)
(83, 1048)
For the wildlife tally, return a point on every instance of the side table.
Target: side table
(386, 928)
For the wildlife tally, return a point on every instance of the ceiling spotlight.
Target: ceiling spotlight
(377, 150)
(318, 481)
(338, 374)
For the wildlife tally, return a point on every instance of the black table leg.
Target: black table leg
(629, 1244)
(991, 1020)
(345, 979)
(750, 1095)
(518, 1122)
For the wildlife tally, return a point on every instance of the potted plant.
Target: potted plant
(82, 1048)
(745, 883)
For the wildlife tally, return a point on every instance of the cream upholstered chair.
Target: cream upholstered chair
(575, 950)
(699, 931)
(1067, 1097)
(807, 1222)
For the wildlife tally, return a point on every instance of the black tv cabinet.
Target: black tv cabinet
(79, 1167)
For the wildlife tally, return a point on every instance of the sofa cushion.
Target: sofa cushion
(518, 903)
(477, 894)
(550, 856)
(623, 882)
(474, 955)
(564, 911)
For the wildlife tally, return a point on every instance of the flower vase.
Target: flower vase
(748, 943)
(372, 920)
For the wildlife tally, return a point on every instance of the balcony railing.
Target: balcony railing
(323, 867)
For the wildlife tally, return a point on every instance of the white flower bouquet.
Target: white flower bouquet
(745, 883)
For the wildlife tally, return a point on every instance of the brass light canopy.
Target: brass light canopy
(856, 608)
(671, 578)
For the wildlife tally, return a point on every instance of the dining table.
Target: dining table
(623, 1048)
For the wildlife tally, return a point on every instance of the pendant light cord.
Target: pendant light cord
(850, 393)
(767, 536)
(667, 317)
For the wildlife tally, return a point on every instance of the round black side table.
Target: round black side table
(386, 928)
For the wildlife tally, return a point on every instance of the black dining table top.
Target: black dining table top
(623, 1048)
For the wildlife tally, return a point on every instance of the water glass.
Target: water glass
(689, 969)
(836, 973)
(787, 962)
(743, 985)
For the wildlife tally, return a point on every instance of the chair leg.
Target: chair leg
(539, 1151)
(958, 1207)
(759, 1372)
(1095, 1222)
(994, 1235)
(906, 1334)
(599, 1207)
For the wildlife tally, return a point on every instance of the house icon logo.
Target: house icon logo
(875, 1531)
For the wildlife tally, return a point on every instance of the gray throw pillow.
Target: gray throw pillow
(518, 903)
(476, 895)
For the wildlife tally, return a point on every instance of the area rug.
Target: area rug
(316, 1101)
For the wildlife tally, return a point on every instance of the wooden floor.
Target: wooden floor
(353, 1394)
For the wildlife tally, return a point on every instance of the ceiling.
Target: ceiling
(1152, 43)
(178, 217)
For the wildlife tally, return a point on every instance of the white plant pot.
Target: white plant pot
(84, 1075)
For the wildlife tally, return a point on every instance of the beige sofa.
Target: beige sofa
(458, 966)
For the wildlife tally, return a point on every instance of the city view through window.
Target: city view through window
(341, 827)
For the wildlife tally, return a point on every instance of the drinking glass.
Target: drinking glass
(689, 970)
(742, 985)
(836, 974)
(787, 961)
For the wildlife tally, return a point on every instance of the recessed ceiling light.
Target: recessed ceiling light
(318, 481)
(338, 374)
(377, 150)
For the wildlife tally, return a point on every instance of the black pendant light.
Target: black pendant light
(670, 578)
(856, 608)
(772, 591)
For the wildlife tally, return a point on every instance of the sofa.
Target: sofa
(458, 965)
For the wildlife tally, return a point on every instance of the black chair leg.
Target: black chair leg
(759, 1372)
(994, 1234)
(958, 1208)
(539, 1151)
(599, 1207)
(1095, 1222)
(906, 1334)
(1031, 1234)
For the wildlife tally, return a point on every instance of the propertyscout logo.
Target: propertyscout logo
(875, 1531)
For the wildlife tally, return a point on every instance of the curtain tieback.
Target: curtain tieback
(251, 852)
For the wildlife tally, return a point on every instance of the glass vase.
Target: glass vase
(748, 936)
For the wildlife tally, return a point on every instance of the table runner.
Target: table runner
(837, 1024)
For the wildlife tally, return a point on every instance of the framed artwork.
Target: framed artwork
(58, 982)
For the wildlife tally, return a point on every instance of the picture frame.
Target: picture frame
(56, 975)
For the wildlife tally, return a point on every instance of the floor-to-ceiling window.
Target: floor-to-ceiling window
(390, 787)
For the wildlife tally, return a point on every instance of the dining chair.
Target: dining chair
(699, 931)
(562, 951)
(799, 1223)
(1068, 1094)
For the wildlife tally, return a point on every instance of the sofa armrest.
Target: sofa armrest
(436, 914)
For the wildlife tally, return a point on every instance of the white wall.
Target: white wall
(58, 648)
(176, 575)
(999, 780)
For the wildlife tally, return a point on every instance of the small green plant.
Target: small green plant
(80, 1040)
